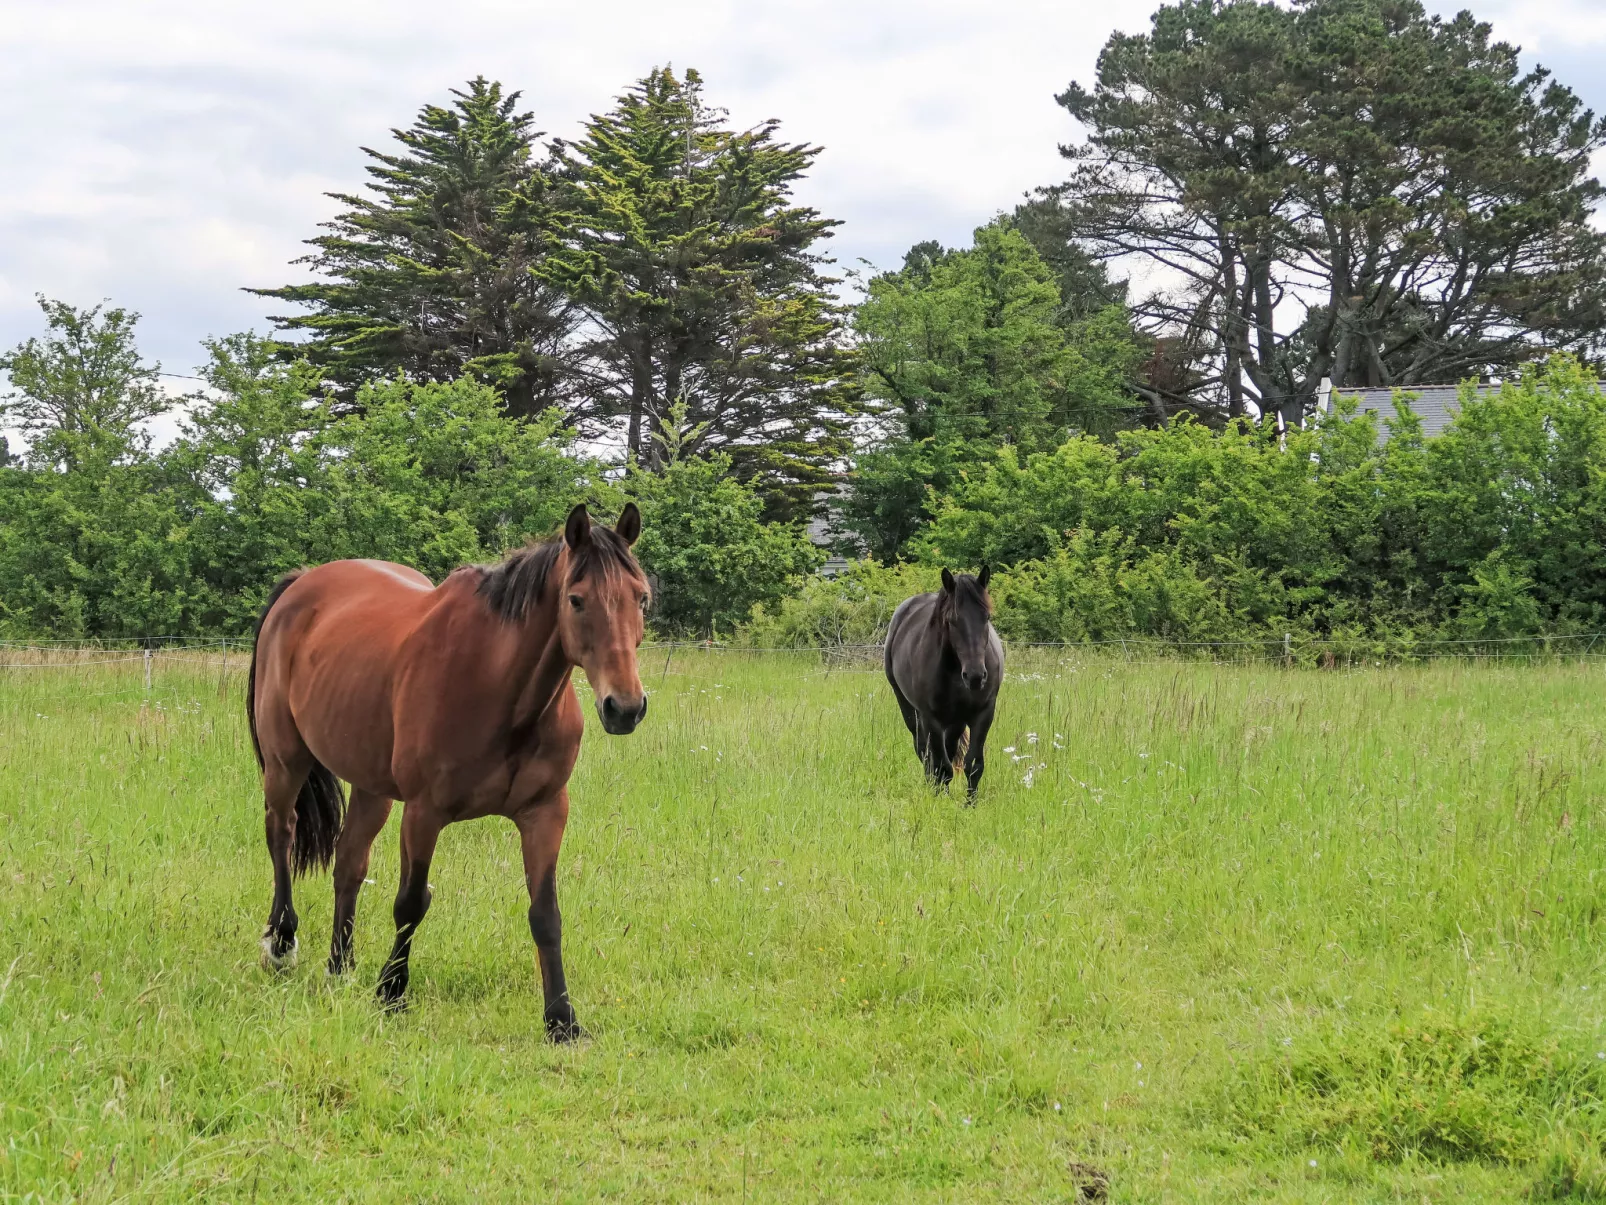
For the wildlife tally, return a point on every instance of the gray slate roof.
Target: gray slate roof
(1435, 405)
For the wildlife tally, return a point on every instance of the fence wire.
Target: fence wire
(25, 656)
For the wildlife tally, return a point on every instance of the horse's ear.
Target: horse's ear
(985, 576)
(947, 582)
(629, 525)
(577, 530)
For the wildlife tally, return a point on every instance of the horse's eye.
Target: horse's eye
(643, 600)
(577, 602)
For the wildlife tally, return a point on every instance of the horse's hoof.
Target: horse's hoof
(391, 1002)
(392, 992)
(561, 1032)
(279, 962)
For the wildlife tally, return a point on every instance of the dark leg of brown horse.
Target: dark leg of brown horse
(541, 835)
(365, 816)
(420, 828)
(280, 786)
(975, 755)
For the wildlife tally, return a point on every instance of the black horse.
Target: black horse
(945, 663)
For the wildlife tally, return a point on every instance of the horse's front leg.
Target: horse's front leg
(975, 754)
(420, 828)
(541, 835)
(944, 748)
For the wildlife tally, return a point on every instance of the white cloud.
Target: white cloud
(165, 154)
(176, 150)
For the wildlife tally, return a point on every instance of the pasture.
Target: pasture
(1215, 933)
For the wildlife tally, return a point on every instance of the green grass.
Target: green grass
(1221, 933)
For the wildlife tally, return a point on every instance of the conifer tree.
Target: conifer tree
(703, 285)
(430, 273)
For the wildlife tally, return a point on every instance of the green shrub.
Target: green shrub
(1481, 1087)
(851, 608)
(711, 553)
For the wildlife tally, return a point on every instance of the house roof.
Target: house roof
(1435, 405)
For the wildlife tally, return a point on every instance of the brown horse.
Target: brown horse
(456, 698)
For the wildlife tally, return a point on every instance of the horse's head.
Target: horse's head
(966, 613)
(602, 600)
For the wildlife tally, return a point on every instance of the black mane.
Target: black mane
(517, 584)
(964, 584)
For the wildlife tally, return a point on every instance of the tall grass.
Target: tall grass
(1186, 938)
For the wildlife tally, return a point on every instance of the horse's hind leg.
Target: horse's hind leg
(365, 816)
(911, 718)
(282, 780)
(420, 828)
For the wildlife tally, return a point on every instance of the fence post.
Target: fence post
(1288, 648)
(147, 670)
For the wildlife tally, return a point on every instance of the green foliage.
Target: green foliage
(966, 351)
(705, 542)
(852, 608)
(431, 275)
(124, 542)
(1444, 1089)
(680, 237)
(436, 475)
(1494, 530)
(83, 389)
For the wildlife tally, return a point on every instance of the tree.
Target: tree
(1348, 189)
(965, 351)
(1051, 227)
(431, 275)
(83, 383)
(704, 539)
(701, 279)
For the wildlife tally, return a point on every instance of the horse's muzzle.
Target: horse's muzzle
(620, 719)
(977, 680)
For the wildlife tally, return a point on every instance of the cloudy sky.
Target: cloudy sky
(165, 153)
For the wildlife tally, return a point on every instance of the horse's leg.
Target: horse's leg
(924, 744)
(282, 780)
(420, 828)
(911, 717)
(541, 835)
(944, 748)
(975, 756)
(365, 816)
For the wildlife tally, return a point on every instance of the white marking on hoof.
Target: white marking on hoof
(283, 962)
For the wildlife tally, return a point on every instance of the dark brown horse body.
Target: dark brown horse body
(456, 698)
(945, 664)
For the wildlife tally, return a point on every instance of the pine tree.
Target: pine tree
(679, 236)
(1346, 189)
(430, 275)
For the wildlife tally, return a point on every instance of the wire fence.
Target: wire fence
(27, 658)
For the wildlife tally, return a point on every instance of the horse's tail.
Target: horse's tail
(321, 805)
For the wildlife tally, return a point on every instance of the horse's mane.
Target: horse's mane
(964, 583)
(515, 585)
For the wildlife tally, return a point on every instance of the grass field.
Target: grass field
(1214, 933)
